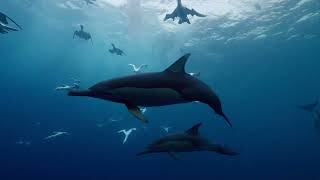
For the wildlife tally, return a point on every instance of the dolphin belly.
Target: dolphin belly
(148, 96)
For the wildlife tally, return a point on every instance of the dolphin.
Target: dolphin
(182, 12)
(4, 27)
(171, 86)
(188, 141)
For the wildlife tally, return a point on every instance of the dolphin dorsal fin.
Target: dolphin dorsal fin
(178, 66)
(194, 131)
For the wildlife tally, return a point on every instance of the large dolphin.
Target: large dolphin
(172, 86)
(188, 141)
(182, 13)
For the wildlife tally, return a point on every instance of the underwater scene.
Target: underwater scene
(160, 89)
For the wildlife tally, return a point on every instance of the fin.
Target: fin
(174, 155)
(136, 112)
(309, 107)
(179, 65)
(194, 131)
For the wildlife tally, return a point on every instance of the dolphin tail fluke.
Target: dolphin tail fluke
(226, 118)
(79, 93)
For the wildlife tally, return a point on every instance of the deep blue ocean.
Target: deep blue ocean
(261, 57)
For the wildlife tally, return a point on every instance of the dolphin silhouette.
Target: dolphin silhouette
(172, 86)
(188, 141)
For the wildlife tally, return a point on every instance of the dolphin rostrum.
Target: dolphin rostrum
(188, 141)
(172, 86)
(182, 13)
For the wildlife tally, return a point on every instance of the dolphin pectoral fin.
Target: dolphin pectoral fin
(174, 155)
(136, 112)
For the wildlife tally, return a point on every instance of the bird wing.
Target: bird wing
(193, 12)
(173, 15)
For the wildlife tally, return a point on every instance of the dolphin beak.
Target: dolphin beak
(226, 118)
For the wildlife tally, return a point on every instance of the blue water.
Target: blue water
(260, 68)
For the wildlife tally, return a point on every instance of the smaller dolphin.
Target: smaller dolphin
(309, 107)
(137, 69)
(126, 134)
(188, 141)
(4, 27)
(82, 34)
(116, 50)
(182, 12)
